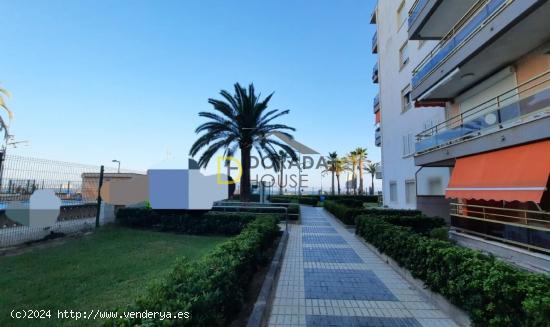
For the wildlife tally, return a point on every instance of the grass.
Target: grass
(106, 270)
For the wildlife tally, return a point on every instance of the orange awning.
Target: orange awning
(514, 174)
(377, 117)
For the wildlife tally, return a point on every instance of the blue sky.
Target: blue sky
(97, 80)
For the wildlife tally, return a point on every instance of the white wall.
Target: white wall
(392, 79)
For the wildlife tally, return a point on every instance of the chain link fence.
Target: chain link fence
(76, 185)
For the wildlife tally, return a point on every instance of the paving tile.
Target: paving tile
(316, 229)
(345, 284)
(331, 255)
(323, 239)
(352, 321)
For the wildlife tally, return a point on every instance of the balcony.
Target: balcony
(373, 15)
(375, 73)
(527, 104)
(490, 36)
(525, 228)
(376, 103)
(378, 137)
(375, 43)
(432, 19)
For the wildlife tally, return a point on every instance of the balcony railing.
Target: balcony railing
(529, 100)
(375, 43)
(475, 19)
(375, 73)
(376, 103)
(527, 228)
(416, 8)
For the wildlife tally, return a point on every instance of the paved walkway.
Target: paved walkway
(330, 278)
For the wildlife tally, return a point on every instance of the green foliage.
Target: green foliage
(213, 288)
(440, 233)
(492, 292)
(311, 200)
(344, 213)
(217, 223)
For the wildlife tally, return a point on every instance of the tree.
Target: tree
(361, 157)
(351, 160)
(371, 169)
(242, 121)
(333, 158)
(338, 170)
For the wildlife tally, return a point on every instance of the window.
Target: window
(406, 102)
(435, 185)
(401, 14)
(410, 192)
(393, 192)
(408, 144)
(404, 55)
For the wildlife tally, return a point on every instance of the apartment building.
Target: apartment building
(489, 70)
(396, 117)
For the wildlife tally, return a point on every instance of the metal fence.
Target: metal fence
(76, 185)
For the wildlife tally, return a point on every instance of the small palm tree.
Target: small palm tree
(351, 160)
(361, 154)
(242, 121)
(332, 162)
(339, 168)
(371, 169)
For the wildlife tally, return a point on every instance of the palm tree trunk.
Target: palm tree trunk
(245, 179)
(361, 178)
(372, 184)
(338, 178)
(281, 180)
(333, 191)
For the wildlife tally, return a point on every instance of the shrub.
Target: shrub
(213, 288)
(304, 199)
(440, 233)
(492, 292)
(188, 223)
(419, 224)
(362, 198)
(344, 213)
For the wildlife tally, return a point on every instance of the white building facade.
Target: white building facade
(397, 119)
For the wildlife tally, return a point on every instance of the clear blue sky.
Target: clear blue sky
(97, 80)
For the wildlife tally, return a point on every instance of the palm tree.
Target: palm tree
(361, 154)
(333, 158)
(282, 158)
(371, 169)
(351, 160)
(339, 168)
(242, 121)
(3, 125)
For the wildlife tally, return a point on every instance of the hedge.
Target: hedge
(492, 292)
(187, 223)
(362, 198)
(213, 288)
(304, 199)
(344, 213)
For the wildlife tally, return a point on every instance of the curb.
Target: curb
(260, 314)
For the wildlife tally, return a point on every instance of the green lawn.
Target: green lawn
(105, 270)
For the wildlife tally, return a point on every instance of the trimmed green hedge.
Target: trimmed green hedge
(362, 198)
(187, 223)
(344, 213)
(304, 199)
(492, 292)
(212, 289)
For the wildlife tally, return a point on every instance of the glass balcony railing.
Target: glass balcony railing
(531, 100)
(376, 102)
(375, 73)
(415, 10)
(375, 42)
(472, 22)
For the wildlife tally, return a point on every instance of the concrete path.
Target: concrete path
(330, 278)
